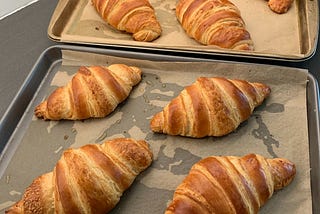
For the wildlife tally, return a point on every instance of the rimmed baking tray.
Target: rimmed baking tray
(33, 146)
(288, 37)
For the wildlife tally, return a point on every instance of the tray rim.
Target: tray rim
(9, 150)
(61, 6)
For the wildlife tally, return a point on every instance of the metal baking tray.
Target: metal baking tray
(17, 119)
(286, 37)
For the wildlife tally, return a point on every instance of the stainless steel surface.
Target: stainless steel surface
(51, 58)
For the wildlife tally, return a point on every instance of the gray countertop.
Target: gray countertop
(23, 37)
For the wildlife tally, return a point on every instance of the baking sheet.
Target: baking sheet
(289, 36)
(36, 145)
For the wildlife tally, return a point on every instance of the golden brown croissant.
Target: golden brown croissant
(231, 184)
(210, 107)
(280, 6)
(133, 16)
(90, 179)
(93, 92)
(214, 22)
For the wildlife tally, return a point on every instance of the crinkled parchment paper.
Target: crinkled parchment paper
(277, 128)
(271, 33)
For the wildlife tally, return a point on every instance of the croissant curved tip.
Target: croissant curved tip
(156, 123)
(40, 110)
(266, 90)
(136, 70)
(15, 209)
(146, 35)
(283, 172)
(263, 89)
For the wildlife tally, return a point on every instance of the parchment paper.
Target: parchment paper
(277, 128)
(271, 33)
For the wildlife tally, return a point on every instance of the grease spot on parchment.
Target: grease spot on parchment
(172, 163)
(275, 108)
(263, 133)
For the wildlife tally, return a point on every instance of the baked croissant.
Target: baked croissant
(93, 92)
(90, 179)
(280, 6)
(231, 184)
(210, 107)
(132, 16)
(214, 22)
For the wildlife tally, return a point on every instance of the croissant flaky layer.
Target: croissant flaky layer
(210, 107)
(94, 91)
(214, 22)
(231, 184)
(132, 16)
(90, 179)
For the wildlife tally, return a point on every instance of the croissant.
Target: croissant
(90, 179)
(280, 6)
(214, 22)
(210, 107)
(93, 92)
(132, 16)
(231, 184)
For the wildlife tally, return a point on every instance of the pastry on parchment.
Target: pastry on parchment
(89, 179)
(214, 22)
(280, 6)
(230, 184)
(94, 91)
(132, 16)
(210, 107)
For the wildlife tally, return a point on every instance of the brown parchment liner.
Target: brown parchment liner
(278, 128)
(272, 34)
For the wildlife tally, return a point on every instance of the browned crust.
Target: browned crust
(108, 165)
(280, 6)
(201, 125)
(201, 15)
(210, 107)
(175, 117)
(252, 167)
(90, 179)
(124, 8)
(133, 16)
(219, 184)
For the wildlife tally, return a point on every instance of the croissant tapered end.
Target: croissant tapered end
(40, 110)
(16, 208)
(262, 89)
(283, 172)
(245, 45)
(37, 197)
(136, 78)
(146, 35)
(156, 123)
